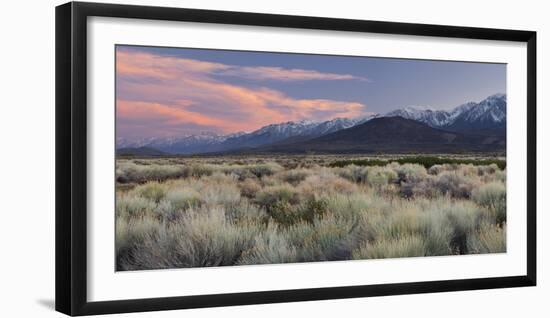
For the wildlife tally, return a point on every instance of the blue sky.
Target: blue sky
(204, 89)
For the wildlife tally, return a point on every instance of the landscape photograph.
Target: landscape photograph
(232, 158)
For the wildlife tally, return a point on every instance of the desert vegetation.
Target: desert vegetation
(218, 211)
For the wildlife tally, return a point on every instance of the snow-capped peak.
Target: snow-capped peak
(491, 110)
(429, 116)
(417, 108)
(489, 113)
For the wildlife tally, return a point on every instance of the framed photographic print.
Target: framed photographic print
(209, 158)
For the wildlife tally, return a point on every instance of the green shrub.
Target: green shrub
(350, 207)
(411, 173)
(199, 170)
(249, 188)
(299, 235)
(273, 194)
(426, 161)
(330, 240)
(438, 233)
(487, 169)
(493, 197)
(380, 176)
(165, 211)
(183, 198)
(312, 208)
(353, 173)
(151, 190)
(402, 246)
(216, 193)
(325, 183)
(489, 238)
(395, 225)
(264, 169)
(456, 185)
(245, 212)
(270, 248)
(437, 169)
(283, 213)
(294, 176)
(133, 206)
(464, 219)
(131, 237)
(424, 188)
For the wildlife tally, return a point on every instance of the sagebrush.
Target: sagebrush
(173, 213)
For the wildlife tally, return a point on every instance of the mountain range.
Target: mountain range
(388, 135)
(468, 127)
(489, 114)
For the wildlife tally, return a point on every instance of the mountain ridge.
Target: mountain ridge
(389, 134)
(488, 113)
(486, 118)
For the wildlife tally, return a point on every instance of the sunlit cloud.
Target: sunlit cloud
(187, 96)
(282, 74)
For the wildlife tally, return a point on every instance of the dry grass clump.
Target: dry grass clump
(249, 188)
(133, 206)
(265, 169)
(456, 184)
(269, 247)
(211, 212)
(129, 171)
(493, 197)
(215, 194)
(488, 170)
(153, 191)
(403, 246)
(380, 176)
(326, 182)
(353, 173)
(294, 176)
(411, 172)
(274, 194)
(489, 238)
(183, 198)
(330, 240)
(424, 188)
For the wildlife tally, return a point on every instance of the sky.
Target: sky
(174, 92)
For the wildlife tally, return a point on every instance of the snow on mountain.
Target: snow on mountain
(457, 111)
(291, 128)
(279, 132)
(310, 128)
(490, 113)
(493, 108)
(210, 142)
(206, 138)
(434, 118)
(134, 143)
(330, 126)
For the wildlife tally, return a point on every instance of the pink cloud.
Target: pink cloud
(169, 67)
(180, 93)
(282, 74)
(163, 67)
(168, 114)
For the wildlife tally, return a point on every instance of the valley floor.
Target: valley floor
(217, 211)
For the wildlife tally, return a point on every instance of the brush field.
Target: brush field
(239, 210)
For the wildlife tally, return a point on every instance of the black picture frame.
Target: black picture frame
(71, 157)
